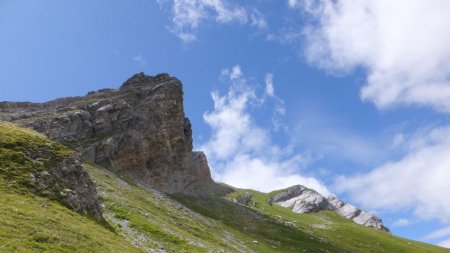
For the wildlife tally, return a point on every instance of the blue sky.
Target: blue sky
(351, 98)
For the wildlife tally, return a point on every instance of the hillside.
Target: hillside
(142, 219)
(38, 221)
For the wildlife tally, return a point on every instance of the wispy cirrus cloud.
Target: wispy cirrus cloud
(443, 232)
(403, 222)
(240, 151)
(440, 234)
(293, 3)
(140, 59)
(445, 243)
(190, 15)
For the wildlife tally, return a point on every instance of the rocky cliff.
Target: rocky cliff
(303, 200)
(138, 130)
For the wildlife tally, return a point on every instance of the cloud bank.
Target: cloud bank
(418, 181)
(403, 46)
(241, 152)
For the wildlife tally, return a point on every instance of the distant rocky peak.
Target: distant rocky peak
(301, 199)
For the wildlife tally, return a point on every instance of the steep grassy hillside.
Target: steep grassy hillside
(32, 223)
(212, 224)
(29, 223)
(24, 152)
(139, 219)
(155, 221)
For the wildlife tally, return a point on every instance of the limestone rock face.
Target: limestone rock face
(138, 130)
(303, 200)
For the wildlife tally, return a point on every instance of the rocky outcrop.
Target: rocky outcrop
(70, 184)
(303, 200)
(243, 200)
(29, 160)
(138, 130)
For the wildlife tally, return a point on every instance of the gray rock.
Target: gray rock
(243, 200)
(289, 193)
(335, 203)
(306, 202)
(77, 188)
(303, 200)
(67, 182)
(370, 220)
(349, 211)
(138, 130)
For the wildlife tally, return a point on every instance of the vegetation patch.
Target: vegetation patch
(30, 223)
(164, 222)
(24, 153)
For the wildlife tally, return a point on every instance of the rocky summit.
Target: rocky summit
(138, 131)
(304, 200)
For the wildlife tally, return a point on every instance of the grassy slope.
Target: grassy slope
(24, 151)
(263, 228)
(334, 229)
(154, 221)
(160, 222)
(30, 223)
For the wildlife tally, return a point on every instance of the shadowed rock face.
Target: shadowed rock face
(138, 130)
(303, 200)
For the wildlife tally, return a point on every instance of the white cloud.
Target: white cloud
(278, 108)
(189, 15)
(401, 223)
(258, 20)
(418, 181)
(140, 59)
(269, 85)
(235, 73)
(398, 140)
(293, 3)
(443, 232)
(445, 244)
(403, 46)
(286, 36)
(241, 152)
